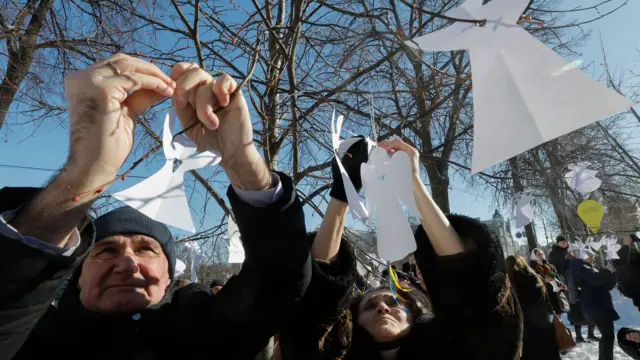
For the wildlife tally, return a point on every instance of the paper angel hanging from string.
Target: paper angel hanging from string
(596, 245)
(582, 179)
(612, 248)
(524, 210)
(236, 250)
(580, 248)
(387, 185)
(524, 94)
(340, 147)
(197, 257)
(180, 268)
(162, 196)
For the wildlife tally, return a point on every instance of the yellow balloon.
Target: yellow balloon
(591, 212)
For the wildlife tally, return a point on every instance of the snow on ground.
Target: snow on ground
(629, 317)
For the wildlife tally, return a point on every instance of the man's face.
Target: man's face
(383, 318)
(563, 244)
(124, 273)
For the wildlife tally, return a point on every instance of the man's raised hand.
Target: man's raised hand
(104, 101)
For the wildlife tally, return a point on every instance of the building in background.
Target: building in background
(502, 229)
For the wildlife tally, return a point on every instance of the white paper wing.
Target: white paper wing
(236, 250)
(399, 172)
(596, 245)
(394, 236)
(524, 216)
(368, 174)
(194, 267)
(146, 196)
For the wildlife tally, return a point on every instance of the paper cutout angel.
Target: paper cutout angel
(524, 210)
(387, 184)
(524, 94)
(197, 257)
(612, 251)
(236, 250)
(582, 179)
(596, 245)
(180, 268)
(580, 248)
(162, 196)
(356, 205)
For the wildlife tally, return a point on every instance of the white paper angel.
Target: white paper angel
(197, 257)
(581, 179)
(236, 250)
(387, 185)
(524, 93)
(612, 250)
(340, 147)
(524, 210)
(596, 245)
(580, 248)
(180, 268)
(162, 196)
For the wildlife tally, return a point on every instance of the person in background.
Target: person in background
(122, 263)
(576, 316)
(558, 257)
(216, 285)
(595, 286)
(538, 340)
(550, 277)
(628, 280)
(470, 312)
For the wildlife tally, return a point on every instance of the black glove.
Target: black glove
(356, 155)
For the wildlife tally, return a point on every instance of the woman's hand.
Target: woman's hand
(394, 145)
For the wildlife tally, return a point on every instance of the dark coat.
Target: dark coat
(630, 348)
(236, 323)
(628, 273)
(538, 340)
(595, 290)
(474, 312)
(557, 258)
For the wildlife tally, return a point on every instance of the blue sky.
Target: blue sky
(47, 147)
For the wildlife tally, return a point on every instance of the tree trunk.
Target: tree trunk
(21, 47)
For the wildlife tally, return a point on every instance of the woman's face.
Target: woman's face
(383, 318)
(540, 255)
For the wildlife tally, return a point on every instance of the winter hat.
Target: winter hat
(560, 238)
(533, 254)
(216, 282)
(127, 220)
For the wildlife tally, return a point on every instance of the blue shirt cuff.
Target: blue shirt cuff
(262, 198)
(9, 231)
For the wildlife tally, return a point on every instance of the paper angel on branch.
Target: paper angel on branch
(524, 210)
(236, 250)
(197, 257)
(524, 94)
(162, 196)
(387, 185)
(582, 179)
(612, 248)
(596, 245)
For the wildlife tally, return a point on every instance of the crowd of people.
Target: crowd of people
(294, 297)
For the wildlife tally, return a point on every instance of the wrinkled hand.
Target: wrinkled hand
(197, 96)
(355, 156)
(103, 106)
(633, 336)
(394, 145)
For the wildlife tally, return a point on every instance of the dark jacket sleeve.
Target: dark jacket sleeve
(29, 277)
(321, 325)
(255, 303)
(593, 277)
(472, 300)
(628, 272)
(630, 348)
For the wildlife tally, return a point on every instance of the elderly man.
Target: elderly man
(113, 306)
